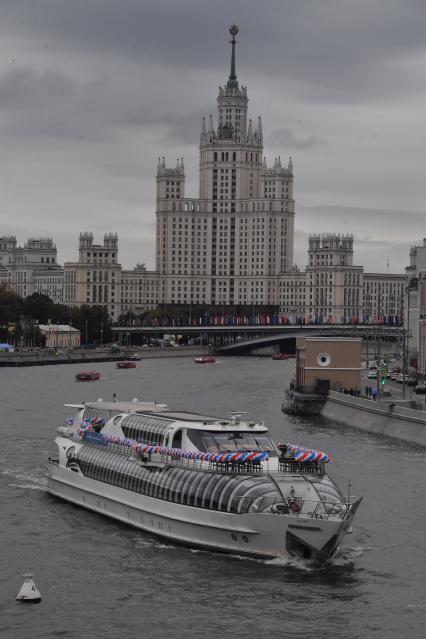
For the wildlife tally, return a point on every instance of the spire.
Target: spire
(203, 127)
(210, 124)
(232, 82)
(290, 165)
(259, 126)
(250, 129)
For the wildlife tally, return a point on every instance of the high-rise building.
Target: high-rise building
(96, 278)
(333, 290)
(229, 245)
(31, 268)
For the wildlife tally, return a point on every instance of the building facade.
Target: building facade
(334, 290)
(31, 268)
(97, 279)
(229, 245)
(415, 300)
(59, 335)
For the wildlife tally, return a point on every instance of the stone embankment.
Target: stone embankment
(391, 419)
(48, 357)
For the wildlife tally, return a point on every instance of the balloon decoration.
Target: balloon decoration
(301, 454)
(177, 453)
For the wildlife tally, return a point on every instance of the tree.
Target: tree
(10, 313)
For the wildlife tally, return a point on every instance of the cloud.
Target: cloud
(286, 137)
(91, 93)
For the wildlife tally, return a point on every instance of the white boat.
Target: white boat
(220, 484)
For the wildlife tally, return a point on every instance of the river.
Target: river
(101, 579)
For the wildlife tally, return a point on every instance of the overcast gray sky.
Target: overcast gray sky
(93, 91)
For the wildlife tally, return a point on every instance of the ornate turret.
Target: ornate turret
(170, 181)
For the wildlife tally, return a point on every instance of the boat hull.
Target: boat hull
(257, 535)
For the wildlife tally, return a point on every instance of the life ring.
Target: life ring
(294, 506)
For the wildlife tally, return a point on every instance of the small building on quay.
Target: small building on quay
(323, 364)
(60, 335)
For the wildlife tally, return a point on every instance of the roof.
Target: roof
(58, 328)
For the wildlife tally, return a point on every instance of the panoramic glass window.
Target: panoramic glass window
(211, 441)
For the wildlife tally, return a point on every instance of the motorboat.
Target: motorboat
(87, 376)
(126, 364)
(135, 357)
(280, 356)
(206, 482)
(205, 359)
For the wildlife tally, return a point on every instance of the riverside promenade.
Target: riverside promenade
(48, 357)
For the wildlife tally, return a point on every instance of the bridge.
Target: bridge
(244, 340)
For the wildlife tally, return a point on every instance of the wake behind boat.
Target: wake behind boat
(205, 482)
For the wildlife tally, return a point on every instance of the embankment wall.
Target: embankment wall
(382, 418)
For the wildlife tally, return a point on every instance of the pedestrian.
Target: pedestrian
(114, 397)
(367, 388)
(374, 394)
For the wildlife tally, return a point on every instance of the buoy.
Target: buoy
(29, 592)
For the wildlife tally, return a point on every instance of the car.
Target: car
(386, 392)
(372, 374)
(420, 389)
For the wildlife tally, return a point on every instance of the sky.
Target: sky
(92, 92)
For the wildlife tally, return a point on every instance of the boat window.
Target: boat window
(215, 496)
(177, 439)
(198, 497)
(176, 485)
(168, 486)
(145, 429)
(207, 492)
(210, 441)
(227, 490)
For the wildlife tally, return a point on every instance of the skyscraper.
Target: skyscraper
(229, 245)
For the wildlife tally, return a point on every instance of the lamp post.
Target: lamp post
(407, 334)
(102, 332)
(86, 332)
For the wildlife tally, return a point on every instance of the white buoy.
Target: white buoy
(29, 592)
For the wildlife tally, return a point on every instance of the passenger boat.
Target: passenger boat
(126, 364)
(219, 484)
(205, 359)
(87, 376)
(280, 356)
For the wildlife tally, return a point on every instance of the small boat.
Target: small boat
(205, 359)
(135, 357)
(126, 364)
(29, 592)
(280, 356)
(87, 376)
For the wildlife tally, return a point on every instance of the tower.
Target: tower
(228, 246)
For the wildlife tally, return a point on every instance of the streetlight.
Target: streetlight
(102, 332)
(407, 334)
(86, 331)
